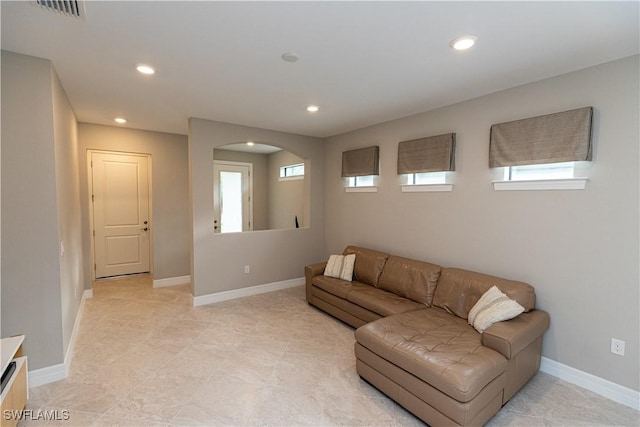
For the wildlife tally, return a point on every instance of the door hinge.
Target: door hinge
(95, 267)
(94, 233)
(92, 197)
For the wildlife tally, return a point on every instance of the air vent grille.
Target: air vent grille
(74, 8)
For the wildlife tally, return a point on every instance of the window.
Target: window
(361, 181)
(360, 169)
(550, 176)
(425, 178)
(292, 172)
(425, 164)
(361, 184)
(562, 170)
(560, 137)
(425, 182)
(540, 153)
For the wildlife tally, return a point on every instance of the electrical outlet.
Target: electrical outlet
(247, 269)
(617, 347)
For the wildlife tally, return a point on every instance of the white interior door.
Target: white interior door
(122, 226)
(231, 197)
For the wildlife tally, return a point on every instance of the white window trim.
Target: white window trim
(371, 189)
(291, 178)
(426, 188)
(541, 184)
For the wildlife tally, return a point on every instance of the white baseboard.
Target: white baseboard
(171, 281)
(47, 375)
(245, 292)
(60, 371)
(606, 388)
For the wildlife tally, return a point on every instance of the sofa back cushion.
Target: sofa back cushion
(459, 290)
(416, 280)
(369, 264)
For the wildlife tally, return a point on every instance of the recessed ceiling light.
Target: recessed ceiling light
(312, 108)
(120, 120)
(289, 57)
(145, 69)
(463, 43)
(250, 143)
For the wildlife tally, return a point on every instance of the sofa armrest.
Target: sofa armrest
(310, 271)
(511, 336)
(313, 270)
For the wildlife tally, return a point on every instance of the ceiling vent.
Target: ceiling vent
(73, 8)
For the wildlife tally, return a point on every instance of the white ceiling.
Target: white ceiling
(361, 62)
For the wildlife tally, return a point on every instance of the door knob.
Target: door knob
(145, 229)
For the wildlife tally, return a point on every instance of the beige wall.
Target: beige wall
(260, 187)
(39, 207)
(274, 255)
(72, 278)
(286, 198)
(170, 192)
(579, 249)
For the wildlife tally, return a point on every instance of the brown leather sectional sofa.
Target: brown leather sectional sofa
(413, 341)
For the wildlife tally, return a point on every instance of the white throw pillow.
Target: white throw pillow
(494, 306)
(340, 266)
(486, 299)
(347, 267)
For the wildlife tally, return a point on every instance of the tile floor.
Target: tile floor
(145, 357)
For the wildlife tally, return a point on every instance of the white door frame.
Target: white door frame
(90, 193)
(232, 163)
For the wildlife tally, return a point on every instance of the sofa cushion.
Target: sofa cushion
(337, 287)
(369, 264)
(416, 280)
(382, 302)
(437, 347)
(459, 290)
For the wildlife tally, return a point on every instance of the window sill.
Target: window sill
(361, 189)
(542, 184)
(291, 178)
(426, 188)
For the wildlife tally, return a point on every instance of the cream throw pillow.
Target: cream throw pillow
(494, 306)
(340, 266)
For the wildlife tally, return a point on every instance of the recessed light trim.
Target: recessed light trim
(312, 108)
(120, 120)
(463, 43)
(145, 69)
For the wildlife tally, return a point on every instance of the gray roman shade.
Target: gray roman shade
(553, 138)
(431, 154)
(361, 162)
